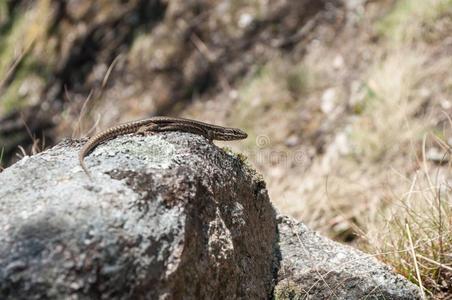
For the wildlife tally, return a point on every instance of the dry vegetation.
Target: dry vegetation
(380, 175)
(18, 63)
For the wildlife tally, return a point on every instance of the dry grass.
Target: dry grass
(414, 234)
(412, 21)
(2, 151)
(375, 182)
(264, 97)
(93, 98)
(385, 187)
(412, 230)
(387, 125)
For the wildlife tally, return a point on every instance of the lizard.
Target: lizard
(160, 124)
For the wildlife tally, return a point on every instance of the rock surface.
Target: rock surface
(314, 267)
(167, 216)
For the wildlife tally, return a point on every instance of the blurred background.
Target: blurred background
(347, 103)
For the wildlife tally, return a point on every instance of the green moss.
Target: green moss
(246, 164)
(228, 150)
(289, 291)
(240, 156)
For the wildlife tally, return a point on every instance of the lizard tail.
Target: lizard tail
(81, 159)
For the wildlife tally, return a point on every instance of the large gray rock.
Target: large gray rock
(314, 267)
(167, 216)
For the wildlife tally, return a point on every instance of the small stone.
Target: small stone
(245, 20)
(328, 101)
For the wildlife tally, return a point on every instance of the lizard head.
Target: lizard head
(229, 134)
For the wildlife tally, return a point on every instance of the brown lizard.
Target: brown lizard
(160, 124)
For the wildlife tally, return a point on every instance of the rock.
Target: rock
(314, 267)
(168, 216)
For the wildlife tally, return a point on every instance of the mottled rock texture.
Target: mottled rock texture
(314, 267)
(166, 216)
